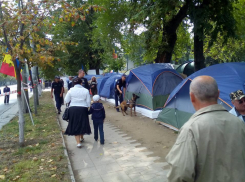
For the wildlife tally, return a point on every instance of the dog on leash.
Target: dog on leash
(129, 104)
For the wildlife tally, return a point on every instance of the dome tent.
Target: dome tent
(186, 68)
(101, 81)
(178, 108)
(108, 90)
(153, 83)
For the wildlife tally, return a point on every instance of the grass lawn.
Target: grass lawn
(42, 158)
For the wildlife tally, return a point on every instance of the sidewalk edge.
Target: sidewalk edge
(66, 153)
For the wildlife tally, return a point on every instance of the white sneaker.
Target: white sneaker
(79, 145)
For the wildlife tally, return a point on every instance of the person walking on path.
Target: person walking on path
(93, 86)
(81, 75)
(98, 116)
(238, 100)
(79, 100)
(118, 92)
(6, 91)
(70, 82)
(210, 146)
(62, 81)
(57, 89)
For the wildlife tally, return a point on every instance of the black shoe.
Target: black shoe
(102, 143)
(118, 110)
(58, 112)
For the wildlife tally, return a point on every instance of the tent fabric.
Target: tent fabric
(147, 74)
(186, 68)
(100, 83)
(108, 90)
(229, 77)
(153, 83)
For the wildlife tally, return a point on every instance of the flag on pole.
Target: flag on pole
(7, 67)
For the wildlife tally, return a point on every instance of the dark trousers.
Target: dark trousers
(116, 99)
(58, 101)
(98, 126)
(6, 99)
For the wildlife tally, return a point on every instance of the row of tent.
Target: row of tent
(161, 87)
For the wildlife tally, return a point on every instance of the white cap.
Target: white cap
(96, 98)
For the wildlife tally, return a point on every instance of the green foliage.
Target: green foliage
(111, 26)
(182, 50)
(231, 49)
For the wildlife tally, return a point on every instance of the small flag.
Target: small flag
(7, 67)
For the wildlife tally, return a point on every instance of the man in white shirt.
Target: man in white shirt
(238, 100)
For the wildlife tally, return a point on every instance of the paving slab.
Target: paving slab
(120, 159)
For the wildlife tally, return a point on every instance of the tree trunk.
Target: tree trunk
(35, 91)
(97, 71)
(21, 122)
(25, 80)
(19, 101)
(198, 53)
(37, 85)
(169, 37)
(164, 54)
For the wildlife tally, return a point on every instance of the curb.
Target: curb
(66, 153)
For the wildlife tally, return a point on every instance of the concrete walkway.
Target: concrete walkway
(118, 160)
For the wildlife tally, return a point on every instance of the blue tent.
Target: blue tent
(153, 83)
(108, 90)
(178, 108)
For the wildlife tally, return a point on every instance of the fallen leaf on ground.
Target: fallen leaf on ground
(5, 170)
(16, 178)
(34, 158)
(50, 160)
(52, 144)
(53, 176)
(37, 144)
(2, 177)
(54, 168)
(42, 160)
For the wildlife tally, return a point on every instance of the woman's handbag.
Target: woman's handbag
(66, 114)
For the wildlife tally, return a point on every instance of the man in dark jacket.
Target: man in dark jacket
(6, 91)
(70, 82)
(81, 74)
(118, 92)
(57, 89)
(98, 116)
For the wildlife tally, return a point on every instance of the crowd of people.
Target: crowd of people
(209, 147)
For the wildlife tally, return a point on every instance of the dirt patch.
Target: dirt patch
(155, 137)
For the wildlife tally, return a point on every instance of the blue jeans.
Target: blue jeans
(58, 101)
(98, 125)
(116, 99)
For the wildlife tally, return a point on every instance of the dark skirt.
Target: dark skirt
(78, 121)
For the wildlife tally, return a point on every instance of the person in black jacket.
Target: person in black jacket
(98, 116)
(70, 82)
(93, 86)
(81, 74)
(6, 90)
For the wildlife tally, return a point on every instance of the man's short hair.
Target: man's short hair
(77, 81)
(205, 90)
(80, 71)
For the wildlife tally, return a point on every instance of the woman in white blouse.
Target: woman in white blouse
(79, 100)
